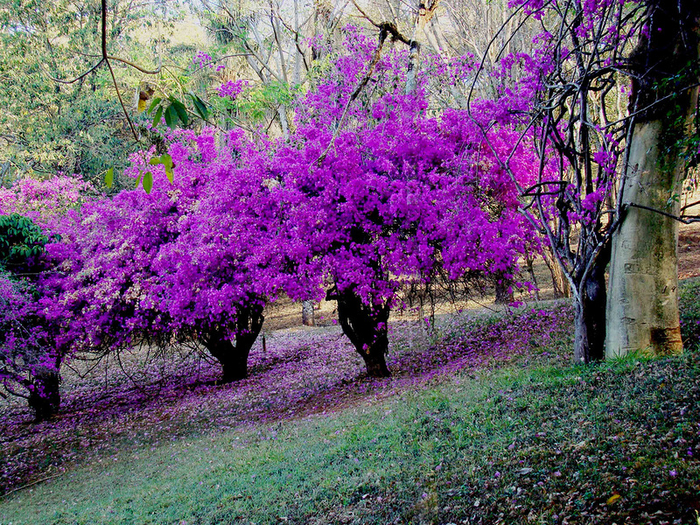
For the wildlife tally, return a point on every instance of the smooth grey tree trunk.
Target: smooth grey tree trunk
(642, 307)
(308, 317)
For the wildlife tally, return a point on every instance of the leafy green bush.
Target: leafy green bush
(20, 239)
(689, 303)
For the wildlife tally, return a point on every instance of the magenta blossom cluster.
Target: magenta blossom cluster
(203, 60)
(231, 89)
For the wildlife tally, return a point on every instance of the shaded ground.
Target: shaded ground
(689, 239)
(303, 371)
(689, 251)
(142, 401)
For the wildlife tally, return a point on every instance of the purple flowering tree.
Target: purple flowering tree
(223, 267)
(380, 195)
(181, 263)
(31, 352)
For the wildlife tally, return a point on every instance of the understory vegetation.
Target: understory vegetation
(485, 421)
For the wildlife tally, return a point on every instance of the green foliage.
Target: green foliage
(148, 181)
(175, 111)
(199, 106)
(689, 305)
(109, 177)
(167, 162)
(46, 126)
(20, 239)
(255, 105)
(681, 136)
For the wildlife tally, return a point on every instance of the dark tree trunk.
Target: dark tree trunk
(366, 327)
(504, 288)
(589, 313)
(230, 348)
(45, 396)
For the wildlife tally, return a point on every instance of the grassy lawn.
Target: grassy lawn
(573, 445)
(524, 439)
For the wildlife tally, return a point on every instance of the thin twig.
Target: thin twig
(385, 29)
(31, 484)
(121, 101)
(78, 78)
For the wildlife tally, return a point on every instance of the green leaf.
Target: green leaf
(109, 177)
(157, 117)
(199, 106)
(154, 161)
(148, 181)
(153, 105)
(170, 117)
(181, 111)
(138, 180)
(167, 161)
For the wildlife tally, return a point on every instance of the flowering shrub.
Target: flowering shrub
(231, 89)
(391, 197)
(30, 342)
(184, 262)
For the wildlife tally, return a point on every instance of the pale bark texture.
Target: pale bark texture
(560, 284)
(308, 317)
(642, 307)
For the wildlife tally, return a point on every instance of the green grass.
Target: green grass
(534, 445)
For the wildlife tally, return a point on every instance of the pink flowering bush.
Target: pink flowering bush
(379, 194)
(30, 351)
(185, 262)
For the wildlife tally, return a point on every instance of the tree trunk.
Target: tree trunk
(643, 300)
(589, 313)
(233, 360)
(504, 288)
(367, 329)
(232, 349)
(308, 317)
(45, 396)
(530, 264)
(560, 283)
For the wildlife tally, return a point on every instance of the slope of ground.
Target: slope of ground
(613, 444)
(618, 443)
(487, 423)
